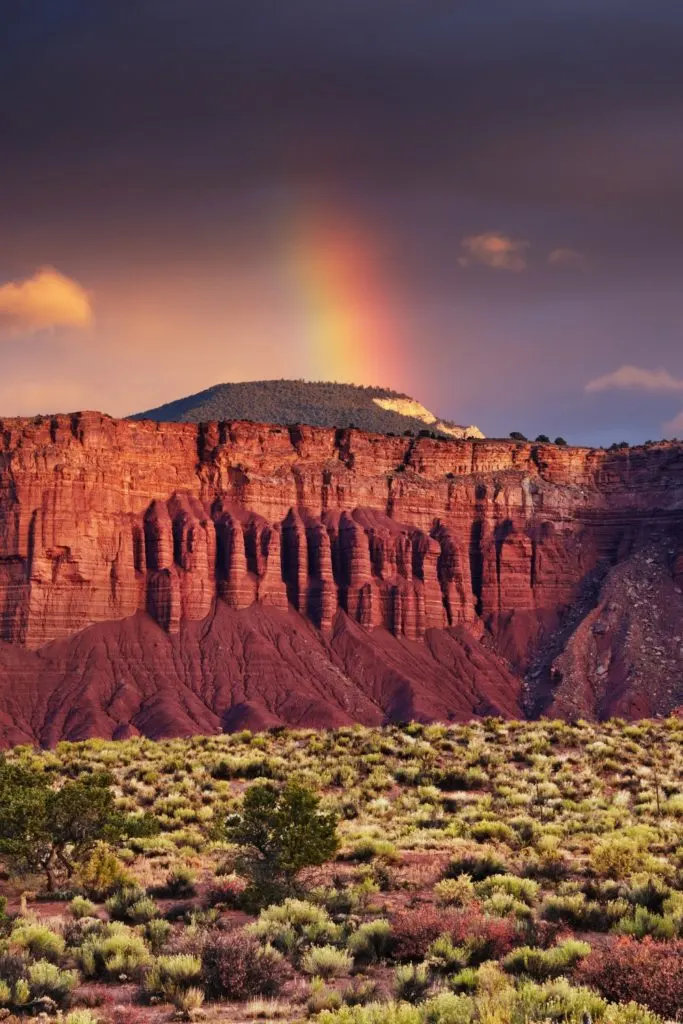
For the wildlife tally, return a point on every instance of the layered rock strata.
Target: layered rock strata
(102, 520)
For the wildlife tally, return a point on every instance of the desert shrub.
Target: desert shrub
(115, 951)
(322, 998)
(523, 889)
(188, 1001)
(444, 956)
(374, 1013)
(618, 857)
(649, 891)
(486, 937)
(81, 907)
(646, 972)
(411, 981)
(326, 961)
(502, 904)
(168, 975)
(295, 924)
(368, 849)
(45, 979)
(477, 866)
(179, 884)
(455, 892)
(643, 922)
(555, 1000)
(102, 872)
(236, 966)
(371, 941)
(133, 905)
(541, 964)
(484, 831)
(157, 932)
(360, 992)
(37, 939)
(575, 910)
(225, 892)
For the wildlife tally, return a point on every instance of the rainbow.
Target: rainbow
(349, 330)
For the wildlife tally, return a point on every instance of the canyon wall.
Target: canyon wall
(103, 519)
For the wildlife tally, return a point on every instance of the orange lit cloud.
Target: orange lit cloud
(635, 377)
(494, 250)
(47, 299)
(568, 258)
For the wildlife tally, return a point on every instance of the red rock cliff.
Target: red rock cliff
(103, 520)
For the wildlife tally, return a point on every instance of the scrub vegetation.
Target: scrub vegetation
(495, 873)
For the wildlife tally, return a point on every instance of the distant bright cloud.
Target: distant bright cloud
(494, 250)
(47, 299)
(569, 258)
(636, 378)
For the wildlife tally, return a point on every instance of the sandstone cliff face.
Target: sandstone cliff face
(104, 520)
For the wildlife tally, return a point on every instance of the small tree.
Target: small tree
(281, 831)
(46, 829)
(516, 436)
(543, 439)
(560, 441)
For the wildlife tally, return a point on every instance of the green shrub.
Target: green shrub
(371, 941)
(46, 979)
(642, 922)
(133, 905)
(116, 951)
(168, 975)
(523, 889)
(295, 925)
(326, 961)
(455, 892)
(321, 998)
(477, 866)
(102, 872)
(542, 964)
(411, 981)
(157, 932)
(81, 907)
(39, 940)
(180, 883)
(444, 956)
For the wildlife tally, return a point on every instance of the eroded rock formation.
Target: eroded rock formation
(369, 541)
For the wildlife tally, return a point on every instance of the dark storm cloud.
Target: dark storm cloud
(153, 130)
(579, 100)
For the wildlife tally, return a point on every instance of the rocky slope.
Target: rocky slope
(179, 578)
(318, 404)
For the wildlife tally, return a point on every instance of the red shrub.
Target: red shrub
(490, 937)
(226, 892)
(235, 966)
(647, 972)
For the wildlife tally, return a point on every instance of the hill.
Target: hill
(319, 404)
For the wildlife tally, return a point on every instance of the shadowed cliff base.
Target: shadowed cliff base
(255, 669)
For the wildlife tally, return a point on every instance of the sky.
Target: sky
(477, 203)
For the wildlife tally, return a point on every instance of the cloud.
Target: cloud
(47, 299)
(568, 258)
(494, 250)
(635, 377)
